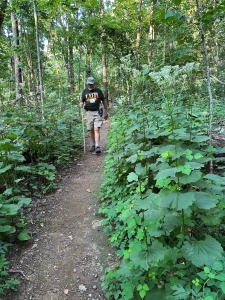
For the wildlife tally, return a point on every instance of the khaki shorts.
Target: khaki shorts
(93, 119)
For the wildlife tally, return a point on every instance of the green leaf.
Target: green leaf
(222, 286)
(221, 277)
(178, 201)
(128, 290)
(186, 169)
(177, 2)
(205, 200)
(139, 288)
(217, 266)
(200, 138)
(132, 177)
(176, 15)
(172, 220)
(3, 170)
(203, 252)
(142, 294)
(192, 178)
(166, 173)
(145, 287)
(7, 229)
(156, 253)
(24, 235)
(216, 178)
(208, 298)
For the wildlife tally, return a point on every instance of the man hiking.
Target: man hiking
(92, 100)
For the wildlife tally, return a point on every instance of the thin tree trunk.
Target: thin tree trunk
(151, 35)
(3, 5)
(71, 66)
(17, 69)
(138, 40)
(38, 54)
(104, 65)
(208, 77)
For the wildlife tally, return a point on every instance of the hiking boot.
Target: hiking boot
(97, 150)
(92, 148)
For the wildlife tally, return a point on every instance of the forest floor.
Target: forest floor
(67, 255)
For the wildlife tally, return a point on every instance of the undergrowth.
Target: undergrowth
(162, 208)
(33, 146)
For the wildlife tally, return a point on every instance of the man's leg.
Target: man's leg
(97, 139)
(92, 136)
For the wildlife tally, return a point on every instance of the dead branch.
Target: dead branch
(18, 271)
(217, 79)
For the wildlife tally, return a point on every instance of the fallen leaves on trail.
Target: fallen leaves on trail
(66, 291)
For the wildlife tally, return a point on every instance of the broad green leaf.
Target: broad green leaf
(171, 221)
(139, 259)
(222, 286)
(195, 165)
(5, 145)
(16, 157)
(132, 158)
(178, 201)
(156, 253)
(24, 235)
(132, 177)
(5, 228)
(124, 268)
(145, 287)
(208, 298)
(218, 266)
(216, 178)
(128, 290)
(200, 138)
(192, 178)
(9, 209)
(211, 220)
(3, 170)
(166, 173)
(24, 168)
(205, 200)
(220, 277)
(203, 252)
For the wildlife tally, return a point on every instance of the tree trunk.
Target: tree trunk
(104, 65)
(3, 5)
(17, 69)
(71, 66)
(138, 40)
(151, 35)
(208, 78)
(38, 54)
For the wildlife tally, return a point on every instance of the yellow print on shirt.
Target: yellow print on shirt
(92, 97)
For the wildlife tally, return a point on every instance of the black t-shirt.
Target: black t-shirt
(92, 98)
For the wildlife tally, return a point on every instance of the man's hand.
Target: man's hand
(81, 104)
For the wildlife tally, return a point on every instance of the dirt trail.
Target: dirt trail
(67, 256)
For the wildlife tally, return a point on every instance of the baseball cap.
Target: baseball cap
(90, 80)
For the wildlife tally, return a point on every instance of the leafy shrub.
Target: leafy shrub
(162, 209)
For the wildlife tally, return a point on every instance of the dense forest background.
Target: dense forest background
(161, 65)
